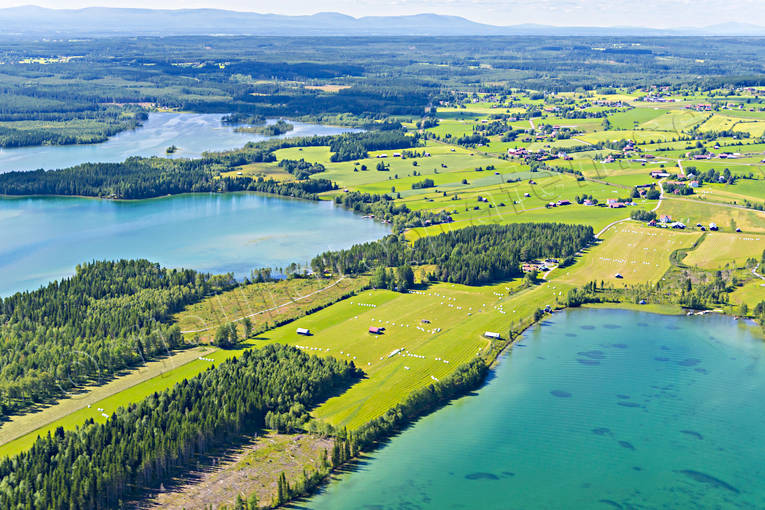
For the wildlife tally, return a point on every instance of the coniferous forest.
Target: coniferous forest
(472, 256)
(100, 465)
(107, 317)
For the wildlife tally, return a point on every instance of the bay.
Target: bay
(44, 238)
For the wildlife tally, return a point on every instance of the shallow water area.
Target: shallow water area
(669, 415)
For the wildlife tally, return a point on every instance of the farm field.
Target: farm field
(721, 249)
(638, 135)
(751, 293)
(727, 218)
(458, 316)
(718, 123)
(598, 217)
(640, 254)
(264, 303)
(631, 119)
(676, 121)
(738, 193)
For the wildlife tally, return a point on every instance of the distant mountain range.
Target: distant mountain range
(105, 21)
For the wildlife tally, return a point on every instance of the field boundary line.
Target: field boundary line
(270, 309)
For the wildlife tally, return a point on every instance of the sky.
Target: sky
(650, 13)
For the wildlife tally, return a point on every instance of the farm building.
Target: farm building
(491, 334)
(375, 330)
(303, 331)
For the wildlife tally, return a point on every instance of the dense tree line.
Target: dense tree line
(138, 178)
(107, 317)
(473, 255)
(467, 377)
(352, 146)
(100, 465)
(384, 208)
(301, 169)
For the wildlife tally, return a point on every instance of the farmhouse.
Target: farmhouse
(303, 331)
(493, 335)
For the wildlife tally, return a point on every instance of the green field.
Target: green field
(690, 212)
(751, 293)
(720, 249)
(640, 254)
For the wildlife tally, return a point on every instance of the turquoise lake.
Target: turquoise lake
(192, 133)
(44, 238)
(600, 409)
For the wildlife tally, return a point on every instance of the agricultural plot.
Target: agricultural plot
(639, 254)
(265, 170)
(675, 121)
(263, 303)
(455, 128)
(500, 197)
(586, 125)
(744, 167)
(722, 249)
(738, 193)
(754, 128)
(637, 135)
(631, 119)
(598, 217)
(410, 353)
(751, 293)
(718, 123)
(318, 154)
(728, 218)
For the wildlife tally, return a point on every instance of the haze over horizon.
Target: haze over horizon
(594, 13)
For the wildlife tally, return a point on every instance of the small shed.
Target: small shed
(491, 334)
(375, 330)
(304, 331)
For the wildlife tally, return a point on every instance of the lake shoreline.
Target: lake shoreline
(503, 355)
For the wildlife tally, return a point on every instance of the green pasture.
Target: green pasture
(720, 249)
(691, 211)
(639, 253)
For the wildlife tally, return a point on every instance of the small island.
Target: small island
(279, 127)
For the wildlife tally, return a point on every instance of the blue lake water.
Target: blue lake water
(192, 133)
(44, 238)
(595, 409)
